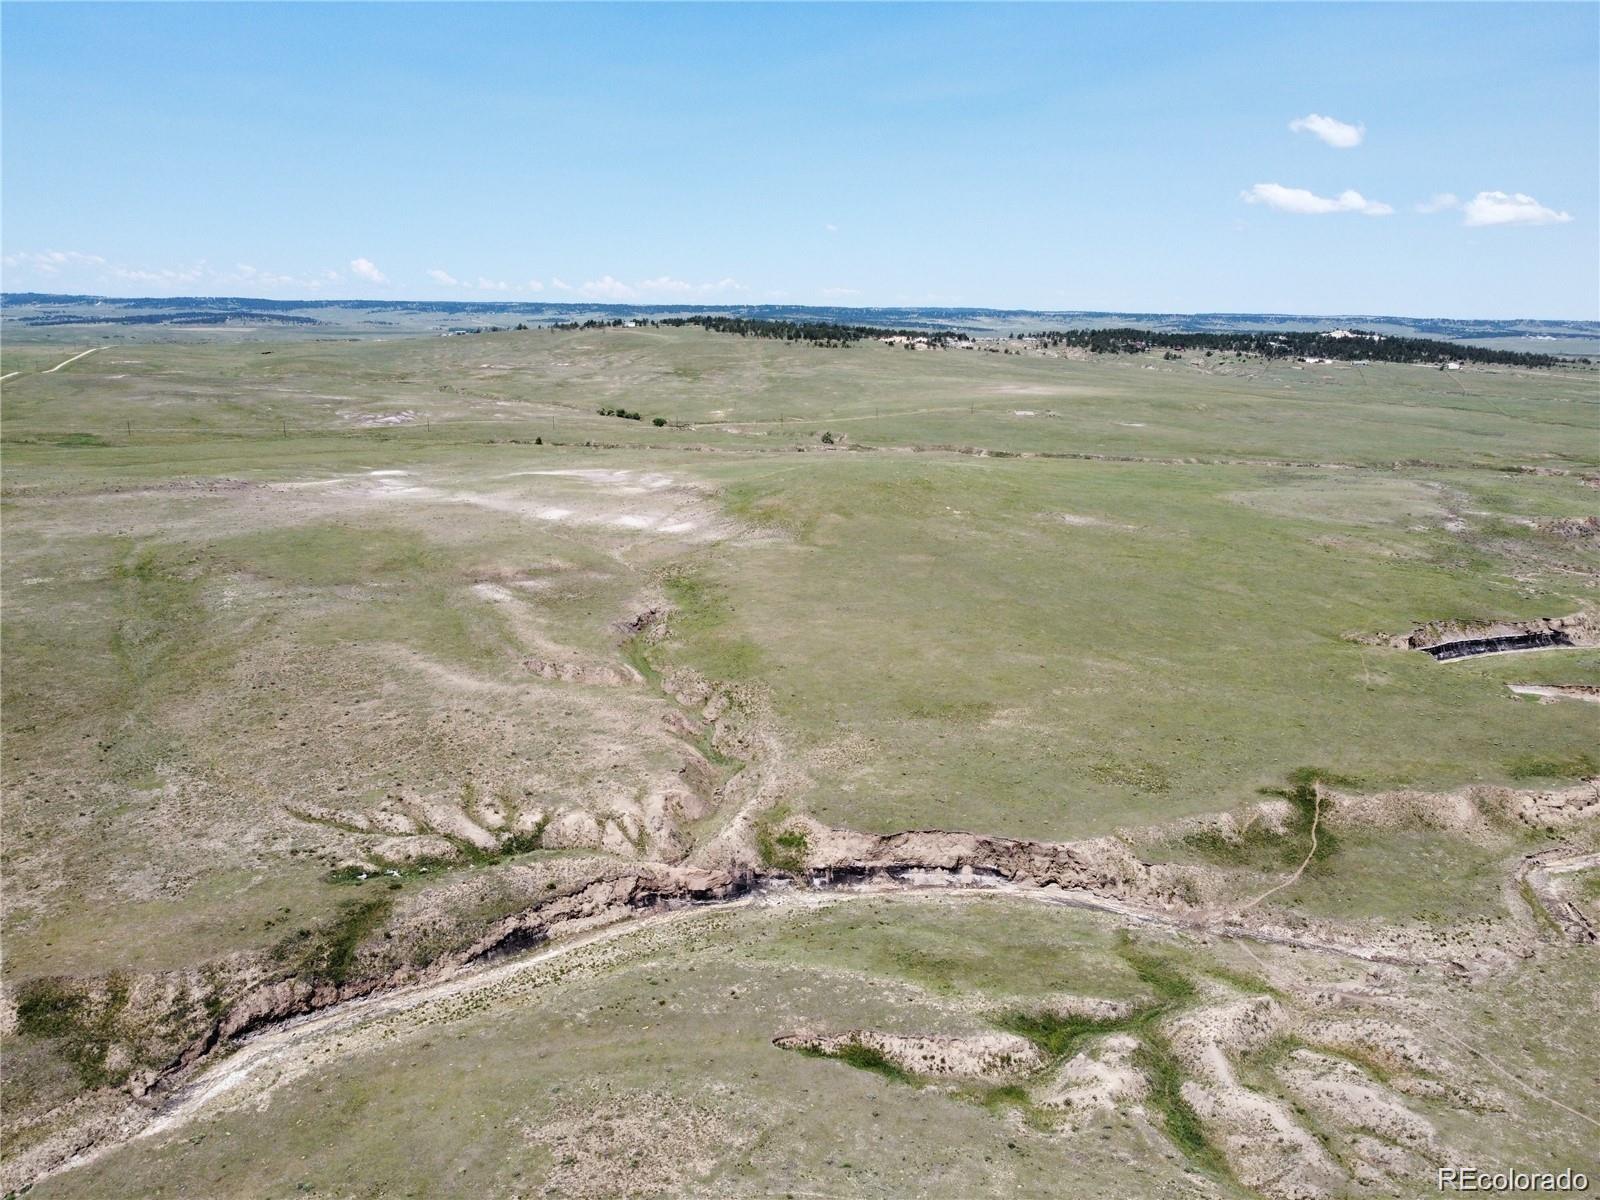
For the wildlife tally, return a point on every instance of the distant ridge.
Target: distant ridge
(42, 309)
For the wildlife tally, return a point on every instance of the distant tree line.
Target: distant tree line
(1355, 345)
(823, 333)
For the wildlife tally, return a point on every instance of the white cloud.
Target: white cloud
(51, 262)
(560, 285)
(165, 276)
(610, 288)
(365, 268)
(1498, 208)
(1334, 132)
(607, 288)
(835, 292)
(75, 269)
(1439, 202)
(831, 228)
(666, 285)
(246, 274)
(1304, 203)
(484, 284)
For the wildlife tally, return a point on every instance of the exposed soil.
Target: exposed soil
(1446, 640)
(997, 1057)
(1558, 691)
(650, 870)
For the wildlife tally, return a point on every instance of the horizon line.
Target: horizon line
(638, 306)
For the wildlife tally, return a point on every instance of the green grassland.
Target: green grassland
(1015, 672)
(655, 1073)
(1016, 595)
(668, 1063)
(1028, 646)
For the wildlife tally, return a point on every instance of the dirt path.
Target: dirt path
(1507, 1072)
(260, 1062)
(1316, 818)
(73, 359)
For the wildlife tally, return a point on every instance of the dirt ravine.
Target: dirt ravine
(271, 1049)
(1102, 875)
(1535, 873)
(269, 1033)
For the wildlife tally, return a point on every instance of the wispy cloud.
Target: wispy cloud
(79, 269)
(607, 288)
(666, 285)
(483, 283)
(164, 276)
(249, 276)
(365, 268)
(831, 228)
(1439, 202)
(1306, 203)
(1334, 132)
(1501, 208)
(836, 292)
(51, 262)
(662, 287)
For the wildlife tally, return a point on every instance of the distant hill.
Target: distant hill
(40, 310)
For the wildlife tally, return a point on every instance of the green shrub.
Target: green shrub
(82, 1027)
(330, 953)
(785, 851)
(1056, 1034)
(863, 1058)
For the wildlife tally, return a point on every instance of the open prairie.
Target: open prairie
(895, 771)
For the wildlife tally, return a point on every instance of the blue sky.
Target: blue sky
(1132, 157)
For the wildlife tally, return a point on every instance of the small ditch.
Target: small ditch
(1506, 644)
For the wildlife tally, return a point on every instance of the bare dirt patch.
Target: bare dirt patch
(638, 1143)
(1550, 692)
(991, 1056)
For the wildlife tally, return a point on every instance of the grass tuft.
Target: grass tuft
(781, 849)
(1181, 1123)
(864, 1058)
(82, 1026)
